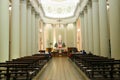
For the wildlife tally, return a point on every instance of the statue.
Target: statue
(59, 45)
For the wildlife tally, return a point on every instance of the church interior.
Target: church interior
(59, 39)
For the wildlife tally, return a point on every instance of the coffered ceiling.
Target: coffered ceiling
(59, 8)
(57, 11)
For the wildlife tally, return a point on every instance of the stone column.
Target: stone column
(42, 36)
(65, 35)
(15, 30)
(82, 30)
(104, 35)
(51, 36)
(90, 27)
(69, 34)
(23, 28)
(29, 26)
(33, 31)
(114, 13)
(96, 32)
(4, 30)
(86, 30)
(37, 31)
(75, 34)
(32, 15)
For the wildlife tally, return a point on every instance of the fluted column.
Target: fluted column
(70, 34)
(65, 35)
(37, 31)
(86, 30)
(33, 31)
(23, 28)
(62, 32)
(54, 33)
(15, 30)
(75, 35)
(96, 34)
(90, 27)
(82, 30)
(43, 33)
(4, 30)
(29, 52)
(40, 40)
(51, 36)
(114, 13)
(39, 36)
(104, 35)
(32, 15)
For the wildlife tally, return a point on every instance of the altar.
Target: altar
(59, 52)
(60, 47)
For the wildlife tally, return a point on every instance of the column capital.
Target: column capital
(21, 1)
(33, 9)
(94, 0)
(90, 2)
(65, 25)
(37, 15)
(81, 13)
(85, 9)
(53, 25)
(29, 4)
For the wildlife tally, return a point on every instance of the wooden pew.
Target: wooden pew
(98, 67)
(24, 67)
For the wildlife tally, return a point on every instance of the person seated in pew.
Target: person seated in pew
(83, 52)
(90, 53)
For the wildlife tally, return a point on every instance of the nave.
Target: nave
(29, 26)
(59, 68)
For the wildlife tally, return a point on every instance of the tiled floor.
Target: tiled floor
(60, 68)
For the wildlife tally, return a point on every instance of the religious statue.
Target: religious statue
(60, 44)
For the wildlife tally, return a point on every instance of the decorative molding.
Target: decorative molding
(78, 11)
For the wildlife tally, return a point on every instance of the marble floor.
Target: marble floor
(60, 68)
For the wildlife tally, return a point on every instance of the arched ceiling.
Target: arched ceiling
(57, 11)
(59, 8)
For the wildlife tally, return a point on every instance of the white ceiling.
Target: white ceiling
(57, 11)
(58, 8)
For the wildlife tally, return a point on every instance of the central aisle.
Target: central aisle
(60, 68)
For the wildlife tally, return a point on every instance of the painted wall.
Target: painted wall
(68, 33)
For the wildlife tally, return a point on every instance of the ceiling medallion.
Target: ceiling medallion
(69, 9)
(59, 8)
(49, 9)
(58, 0)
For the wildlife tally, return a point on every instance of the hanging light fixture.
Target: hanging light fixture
(59, 20)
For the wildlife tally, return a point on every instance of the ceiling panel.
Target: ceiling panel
(57, 11)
